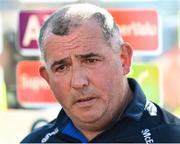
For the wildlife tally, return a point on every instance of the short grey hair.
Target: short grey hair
(72, 16)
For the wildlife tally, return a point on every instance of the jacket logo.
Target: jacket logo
(151, 108)
(147, 136)
(48, 135)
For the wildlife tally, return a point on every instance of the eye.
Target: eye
(62, 68)
(91, 61)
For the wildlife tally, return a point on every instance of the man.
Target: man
(86, 63)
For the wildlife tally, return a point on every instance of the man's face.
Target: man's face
(85, 74)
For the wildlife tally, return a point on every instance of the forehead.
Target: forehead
(84, 39)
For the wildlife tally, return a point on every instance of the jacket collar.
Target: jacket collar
(136, 107)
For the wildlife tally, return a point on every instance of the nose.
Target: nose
(79, 78)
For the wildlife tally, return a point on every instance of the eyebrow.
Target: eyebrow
(82, 56)
(85, 56)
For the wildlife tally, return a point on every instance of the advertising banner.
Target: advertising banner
(29, 26)
(32, 89)
(148, 76)
(139, 27)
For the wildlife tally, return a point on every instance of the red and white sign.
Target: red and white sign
(32, 89)
(140, 28)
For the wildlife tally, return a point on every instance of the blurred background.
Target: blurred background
(152, 27)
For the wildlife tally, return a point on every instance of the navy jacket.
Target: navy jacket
(142, 122)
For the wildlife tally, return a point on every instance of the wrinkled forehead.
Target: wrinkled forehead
(88, 27)
(87, 37)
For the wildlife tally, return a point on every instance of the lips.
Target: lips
(86, 102)
(86, 99)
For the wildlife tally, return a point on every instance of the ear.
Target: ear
(126, 57)
(44, 74)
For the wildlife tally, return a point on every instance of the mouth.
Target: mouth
(85, 99)
(86, 102)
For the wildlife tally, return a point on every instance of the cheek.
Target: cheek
(108, 80)
(102, 80)
(107, 75)
(61, 90)
(59, 83)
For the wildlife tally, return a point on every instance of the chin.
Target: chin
(89, 118)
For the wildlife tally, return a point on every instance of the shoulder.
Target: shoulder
(167, 117)
(164, 126)
(37, 135)
(156, 115)
(169, 133)
(170, 127)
